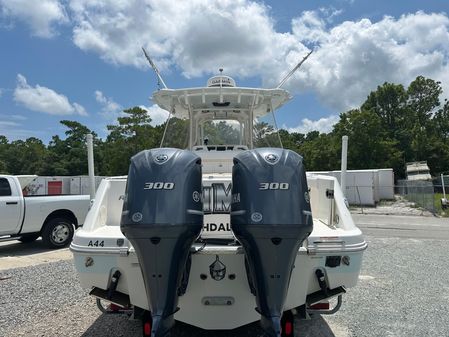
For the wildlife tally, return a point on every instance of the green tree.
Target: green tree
(69, 156)
(369, 144)
(24, 157)
(132, 134)
(4, 144)
(423, 102)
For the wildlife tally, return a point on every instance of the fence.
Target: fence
(419, 191)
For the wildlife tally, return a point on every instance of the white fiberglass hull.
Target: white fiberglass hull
(234, 287)
(100, 249)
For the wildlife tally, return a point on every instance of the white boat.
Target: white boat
(215, 231)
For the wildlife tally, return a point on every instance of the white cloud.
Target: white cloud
(353, 58)
(40, 15)
(14, 117)
(197, 37)
(45, 100)
(8, 124)
(158, 115)
(109, 108)
(13, 130)
(323, 125)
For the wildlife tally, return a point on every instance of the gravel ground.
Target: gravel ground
(403, 291)
(399, 206)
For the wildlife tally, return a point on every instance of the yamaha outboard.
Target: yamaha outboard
(162, 216)
(271, 217)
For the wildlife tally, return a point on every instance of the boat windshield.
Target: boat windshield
(176, 133)
(221, 131)
(265, 132)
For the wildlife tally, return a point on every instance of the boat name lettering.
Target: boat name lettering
(222, 80)
(217, 198)
(213, 227)
(159, 186)
(96, 243)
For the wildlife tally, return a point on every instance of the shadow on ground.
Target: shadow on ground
(120, 325)
(17, 248)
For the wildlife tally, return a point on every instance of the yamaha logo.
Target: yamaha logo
(271, 158)
(137, 217)
(161, 158)
(256, 217)
(196, 196)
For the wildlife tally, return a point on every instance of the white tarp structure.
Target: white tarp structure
(386, 184)
(366, 187)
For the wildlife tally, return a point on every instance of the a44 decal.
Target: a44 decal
(97, 243)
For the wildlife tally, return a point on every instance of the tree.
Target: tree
(423, 101)
(24, 157)
(3, 148)
(389, 102)
(221, 132)
(370, 146)
(68, 156)
(132, 134)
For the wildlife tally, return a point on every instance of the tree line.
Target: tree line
(394, 125)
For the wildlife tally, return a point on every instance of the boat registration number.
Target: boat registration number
(96, 243)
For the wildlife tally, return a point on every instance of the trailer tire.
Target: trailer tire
(28, 238)
(57, 232)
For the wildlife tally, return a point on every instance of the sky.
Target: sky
(82, 60)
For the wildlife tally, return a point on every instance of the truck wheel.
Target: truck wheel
(57, 233)
(28, 238)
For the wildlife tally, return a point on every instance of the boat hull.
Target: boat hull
(192, 308)
(100, 248)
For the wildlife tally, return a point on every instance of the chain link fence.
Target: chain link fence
(421, 192)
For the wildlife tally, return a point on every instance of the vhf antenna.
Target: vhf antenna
(293, 70)
(159, 77)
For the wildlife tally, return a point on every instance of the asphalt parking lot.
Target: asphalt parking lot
(403, 290)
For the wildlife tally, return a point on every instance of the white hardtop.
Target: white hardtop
(239, 112)
(223, 101)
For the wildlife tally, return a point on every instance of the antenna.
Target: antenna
(159, 77)
(293, 70)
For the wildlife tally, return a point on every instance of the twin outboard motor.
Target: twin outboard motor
(162, 216)
(271, 217)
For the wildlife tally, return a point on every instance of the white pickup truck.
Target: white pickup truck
(25, 218)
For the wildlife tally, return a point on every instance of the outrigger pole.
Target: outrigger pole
(293, 70)
(154, 68)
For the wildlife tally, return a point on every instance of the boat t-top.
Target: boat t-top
(220, 226)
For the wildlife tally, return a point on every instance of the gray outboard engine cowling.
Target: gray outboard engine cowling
(271, 217)
(162, 216)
